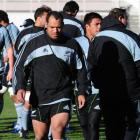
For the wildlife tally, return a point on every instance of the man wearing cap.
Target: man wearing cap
(27, 23)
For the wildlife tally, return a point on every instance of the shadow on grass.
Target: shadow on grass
(5, 131)
(11, 118)
(6, 124)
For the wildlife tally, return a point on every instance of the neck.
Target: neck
(89, 36)
(4, 24)
(38, 24)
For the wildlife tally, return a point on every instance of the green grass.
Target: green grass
(8, 117)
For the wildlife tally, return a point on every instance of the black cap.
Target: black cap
(27, 22)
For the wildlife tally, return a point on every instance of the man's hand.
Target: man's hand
(21, 95)
(81, 101)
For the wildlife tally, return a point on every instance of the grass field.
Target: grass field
(8, 117)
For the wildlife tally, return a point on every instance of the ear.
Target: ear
(2, 22)
(86, 26)
(120, 18)
(75, 13)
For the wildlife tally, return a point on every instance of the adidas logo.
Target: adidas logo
(66, 107)
(97, 107)
(33, 112)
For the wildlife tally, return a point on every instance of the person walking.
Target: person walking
(113, 63)
(90, 115)
(51, 90)
(6, 54)
(72, 26)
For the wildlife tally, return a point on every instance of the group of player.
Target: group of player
(54, 60)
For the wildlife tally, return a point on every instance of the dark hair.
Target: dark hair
(71, 7)
(40, 11)
(4, 16)
(89, 16)
(57, 15)
(118, 12)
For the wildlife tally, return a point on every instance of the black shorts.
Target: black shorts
(44, 113)
(91, 102)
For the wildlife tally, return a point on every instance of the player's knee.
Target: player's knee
(39, 137)
(57, 139)
(27, 105)
(57, 128)
(13, 98)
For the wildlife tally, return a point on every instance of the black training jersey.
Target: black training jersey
(25, 35)
(13, 32)
(54, 65)
(72, 26)
(115, 60)
(5, 44)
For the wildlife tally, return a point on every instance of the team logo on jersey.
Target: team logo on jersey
(97, 107)
(66, 107)
(67, 56)
(67, 52)
(45, 50)
(33, 113)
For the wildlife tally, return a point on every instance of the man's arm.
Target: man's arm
(81, 77)
(19, 73)
(11, 62)
(9, 49)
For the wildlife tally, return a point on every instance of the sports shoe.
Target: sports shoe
(16, 128)
(23, 134)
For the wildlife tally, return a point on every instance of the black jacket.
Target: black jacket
(114, 60)
(54, 65)
(72, 26)
(25, 35)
